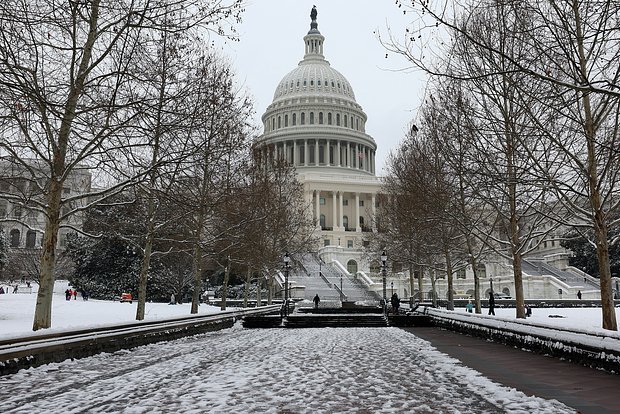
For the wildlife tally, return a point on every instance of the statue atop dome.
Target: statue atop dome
(313, 24)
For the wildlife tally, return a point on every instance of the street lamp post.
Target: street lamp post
(341, 293)
(384, 275)
(392, 286)
(491, 282)
(287, 266)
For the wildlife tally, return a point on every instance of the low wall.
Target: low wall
(34, 351)
(591, 349)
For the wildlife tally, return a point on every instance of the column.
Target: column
(316, 152)
(338, 162)
(373, 198)
(317, 207)
(295, 156)
(357, 212)
(305, 152)
(348, 154)
(340, 216)
(328, 153)
(334, 211)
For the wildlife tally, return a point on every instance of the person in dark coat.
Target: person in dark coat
(316, 301)
(491, 304)
(395, 301)
(579, 294)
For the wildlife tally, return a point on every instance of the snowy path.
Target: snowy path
(328, 370)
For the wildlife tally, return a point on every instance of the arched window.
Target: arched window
(279, 122)
(15, 236)
(321, 118)
(346, 121)
(322, 221)
(311, 118)
(286, 120)
(352, 267)
(294, 119)
(273, 124)
(345, 222)
(351, 122)
(337, 119)
(31, 238)
(303, 118)
(329, 118)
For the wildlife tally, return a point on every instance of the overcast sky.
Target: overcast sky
(272, 45)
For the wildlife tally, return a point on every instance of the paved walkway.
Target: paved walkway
(585, 389)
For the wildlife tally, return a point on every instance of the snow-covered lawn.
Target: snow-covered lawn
(17, 312)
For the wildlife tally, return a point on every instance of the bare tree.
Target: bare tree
(66, 97)
(570, 49)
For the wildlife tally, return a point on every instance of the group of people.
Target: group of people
(69, 293)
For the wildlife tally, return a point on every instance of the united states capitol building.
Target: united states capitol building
(317, 126)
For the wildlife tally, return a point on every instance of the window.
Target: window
(350, 244)
(361, 203)
(15, 236)
(311, 118)
(322, 221)
(279, 122)
(329, 118)
(302, 150)
(31, 238)
(461, 274)
(366, 243)
(66, 190)
(326, 241)
(346, 123)
(351, 264)
(481, 269)
(322, 201)
(311, 154)
(337, 119)
(331, 154)
(361, 221)
(345, 202)
(321, 154)
(345, 222)
(303, 118)
(311, 82)
(318, 82)
(321, 118)
(294, 119)
(285, 120)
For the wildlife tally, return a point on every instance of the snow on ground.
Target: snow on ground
(318, 370)
(328, 370)
(17, 312)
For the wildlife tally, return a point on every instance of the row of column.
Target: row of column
(338, 204)
(345, 154)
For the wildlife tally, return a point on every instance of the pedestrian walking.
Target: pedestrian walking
(172, 301)
(395, 301)
(491, 304)
(68, 294)
(74, 294)
(316, 301)
(579, 294)
(469, 307)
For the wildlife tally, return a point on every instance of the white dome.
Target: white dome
(316, 78)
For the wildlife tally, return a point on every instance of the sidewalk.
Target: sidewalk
(585, 389)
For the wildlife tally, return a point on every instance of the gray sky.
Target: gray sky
(272, 45)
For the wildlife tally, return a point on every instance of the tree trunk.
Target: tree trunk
(411, 284)
(448, 258)
(259, 286)
(146, 262)
(270, 289)
(197, 271)
(224, 291)
(43, 308)
(246, 291)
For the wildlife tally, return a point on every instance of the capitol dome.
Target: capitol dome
(314, 120)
